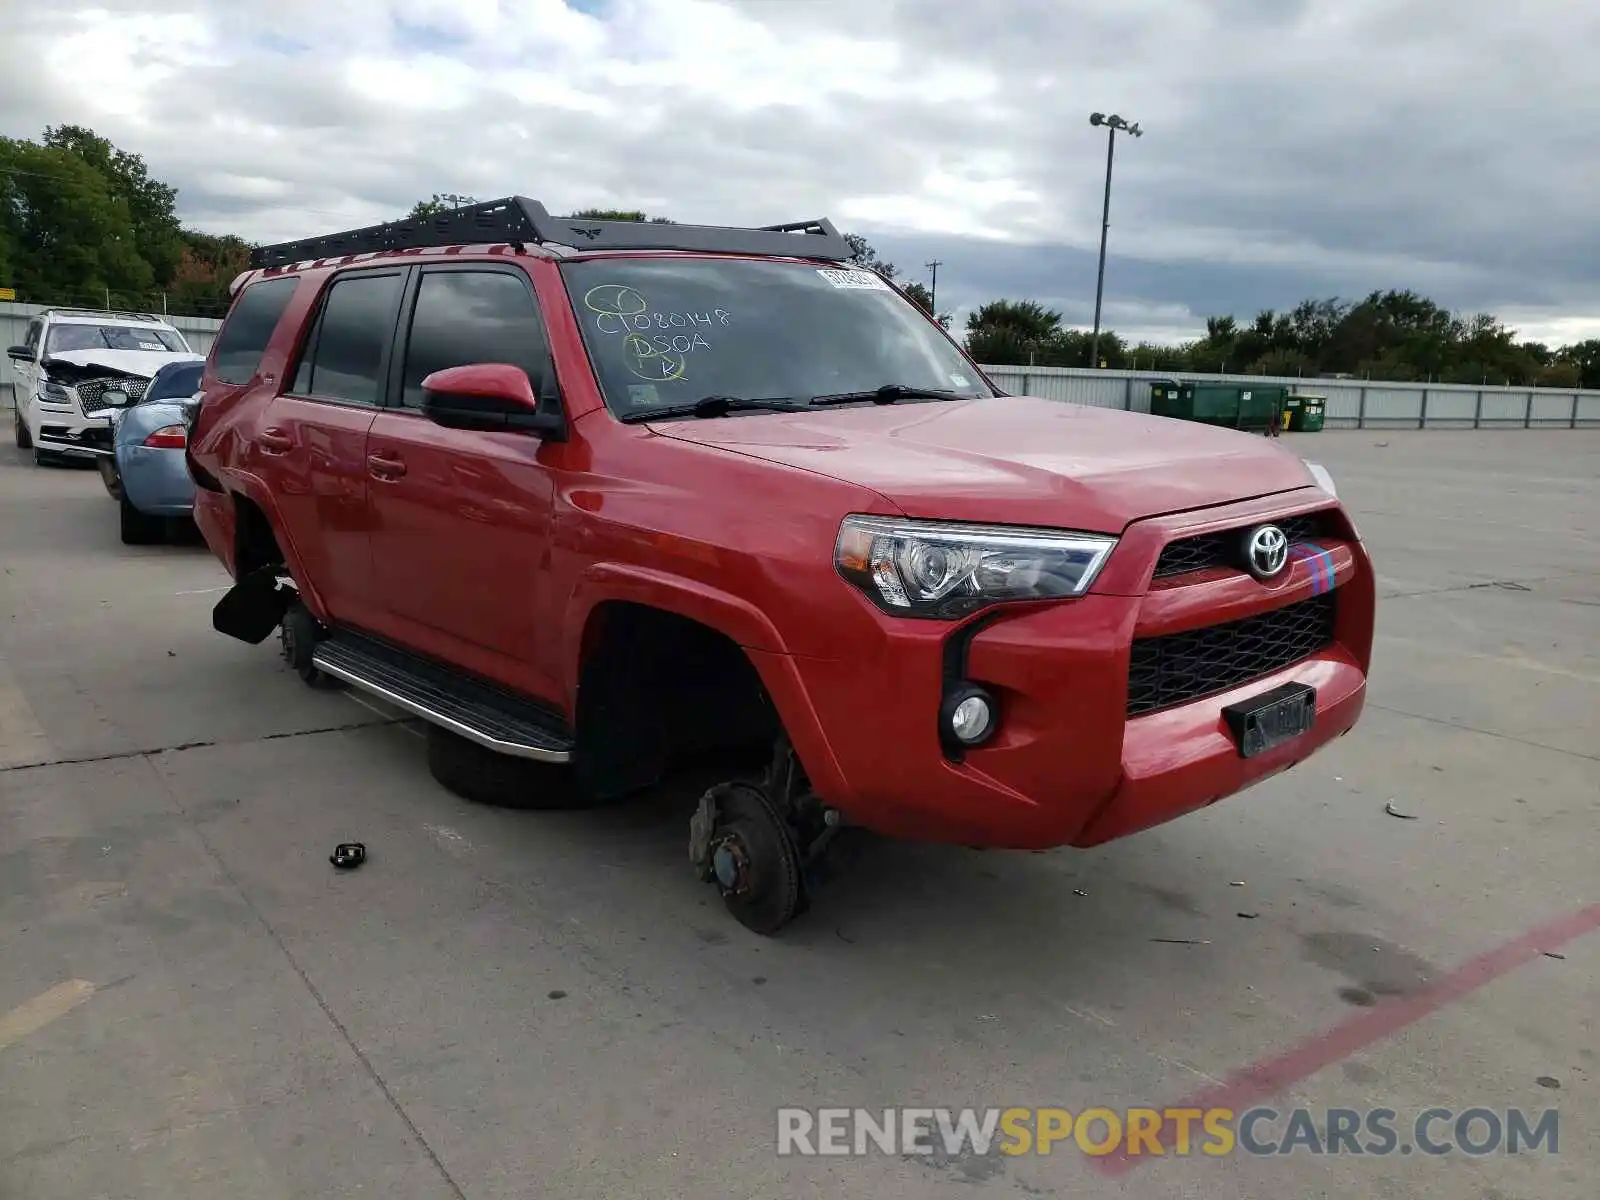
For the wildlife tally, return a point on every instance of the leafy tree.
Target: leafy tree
(863, 255)
(1585, 357)
(68, 233)
(209, 264)
(1011, 331)
(431, 207)
(918, 293)
(617, 214)
(1072, 347)
(150, 204)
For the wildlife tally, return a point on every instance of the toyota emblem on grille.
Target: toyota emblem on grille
(1266, 550)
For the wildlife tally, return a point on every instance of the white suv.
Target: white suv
(69, 359)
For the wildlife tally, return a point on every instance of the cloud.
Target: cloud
(1293, 148)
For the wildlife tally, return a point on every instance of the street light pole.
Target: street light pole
(1112, 124)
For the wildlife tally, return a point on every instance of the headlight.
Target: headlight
(927, 569)
(1320, 474)
(54, 393)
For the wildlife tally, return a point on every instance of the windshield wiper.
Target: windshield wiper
(717, 406)
(888, 394)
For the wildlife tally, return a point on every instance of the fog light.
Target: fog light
(967, 717)
(971, 719)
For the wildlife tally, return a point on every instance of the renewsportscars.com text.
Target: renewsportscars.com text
(1180, 1132)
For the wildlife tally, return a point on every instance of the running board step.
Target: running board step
(472, 708)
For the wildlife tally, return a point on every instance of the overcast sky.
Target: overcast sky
(1293, 148)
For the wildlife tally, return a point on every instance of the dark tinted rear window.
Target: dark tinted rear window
(345, 360)
(175, 383)
(249, 327)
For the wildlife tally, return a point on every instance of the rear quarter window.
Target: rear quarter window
(249, 326)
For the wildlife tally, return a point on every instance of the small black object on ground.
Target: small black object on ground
(348, 855)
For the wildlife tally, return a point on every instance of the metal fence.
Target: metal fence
(1352, 403)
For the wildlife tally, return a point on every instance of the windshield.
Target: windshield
(671, 331)
(66, 338)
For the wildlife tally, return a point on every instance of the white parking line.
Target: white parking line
(51, 1006)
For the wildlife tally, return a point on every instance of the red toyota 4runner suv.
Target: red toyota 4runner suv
(610, 494)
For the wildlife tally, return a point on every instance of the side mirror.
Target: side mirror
(488, 396)
(20, 352)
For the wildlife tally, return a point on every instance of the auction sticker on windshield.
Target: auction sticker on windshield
(854, 279)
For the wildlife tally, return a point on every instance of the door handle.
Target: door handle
(386, 466)
(274, 441)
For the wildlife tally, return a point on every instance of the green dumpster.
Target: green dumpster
(1237, 406)
(1309, 414)
(1169, 398)
(1253, 406)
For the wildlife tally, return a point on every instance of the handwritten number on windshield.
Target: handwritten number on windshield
(662, 356)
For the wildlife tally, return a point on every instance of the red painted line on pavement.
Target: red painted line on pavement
(1356, 1033)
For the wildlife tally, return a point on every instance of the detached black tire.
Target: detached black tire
(499, 780)
(140, 529)
(20, 431)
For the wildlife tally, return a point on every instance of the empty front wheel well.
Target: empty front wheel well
(656, 688)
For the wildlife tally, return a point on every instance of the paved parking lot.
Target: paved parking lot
(194, 1003)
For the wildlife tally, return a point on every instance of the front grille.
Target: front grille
(90, 394)
(1178, 667)
(1222, 549)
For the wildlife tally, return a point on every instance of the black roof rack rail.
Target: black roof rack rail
(517, 219)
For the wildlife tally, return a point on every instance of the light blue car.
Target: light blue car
(144, 468)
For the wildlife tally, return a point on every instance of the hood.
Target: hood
(72, 365)
(1014, 459)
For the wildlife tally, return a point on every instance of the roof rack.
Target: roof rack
(102, 313)
(517, 219)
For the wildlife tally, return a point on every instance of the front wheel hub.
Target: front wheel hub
(729, 861)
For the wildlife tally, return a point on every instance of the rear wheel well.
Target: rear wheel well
(255, 544)
(657, 689)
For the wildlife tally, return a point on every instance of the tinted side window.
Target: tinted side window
(34, 329)
(344, 360)
(248, 327)
(471, 317)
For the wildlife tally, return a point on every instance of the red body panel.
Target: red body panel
(1014, 460)
(492, 551)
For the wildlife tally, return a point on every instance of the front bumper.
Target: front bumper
(1068, 765)
(71, 434)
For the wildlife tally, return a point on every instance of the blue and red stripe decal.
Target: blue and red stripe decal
(1319, 562)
